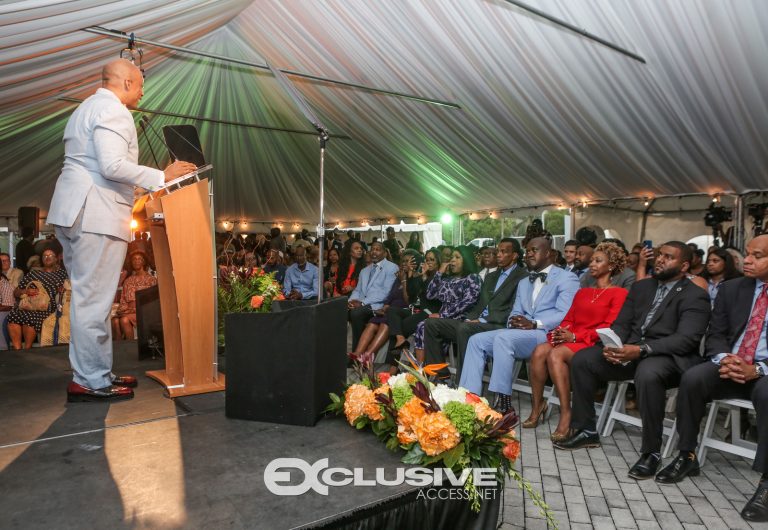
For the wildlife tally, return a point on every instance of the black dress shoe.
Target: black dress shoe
(579, 440)
(756, 509)
(78, 393)
(646, 467)
(125, 380)
(678, 469)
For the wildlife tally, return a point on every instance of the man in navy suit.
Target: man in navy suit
(737, 347)
(541, 302)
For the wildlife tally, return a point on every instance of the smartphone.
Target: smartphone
(648, 244)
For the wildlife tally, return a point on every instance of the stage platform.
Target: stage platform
(158, 463)
(153, 462)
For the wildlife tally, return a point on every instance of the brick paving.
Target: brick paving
(589, 488)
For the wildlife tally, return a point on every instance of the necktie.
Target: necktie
(532, 276)
(754, 328)
(661, 292)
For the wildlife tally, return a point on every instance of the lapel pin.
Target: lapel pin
(679, 289)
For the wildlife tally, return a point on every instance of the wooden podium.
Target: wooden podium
(182, 242)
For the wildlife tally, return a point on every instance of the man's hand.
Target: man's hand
(734, 368)
(434, 315)
(354, 304)
(475, 321)
(177, 169)
(628, 353)
(520, 322)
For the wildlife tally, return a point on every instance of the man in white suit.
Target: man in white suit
(91, 212)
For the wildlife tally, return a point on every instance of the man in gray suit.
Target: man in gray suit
(91, 212)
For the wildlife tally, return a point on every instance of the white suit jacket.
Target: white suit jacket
(101, 154)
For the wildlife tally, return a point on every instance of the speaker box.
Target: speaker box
(29, 217)
(281, 366)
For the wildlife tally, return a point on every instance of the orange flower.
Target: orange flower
(472, 398)
(407, 416)
(356, 400)
(383, 377)
(436, 433)
(372, 409)
(512, 450)
(484, 412)
(280, 296)
(257, 301)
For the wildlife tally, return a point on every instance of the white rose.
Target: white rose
(443, 394)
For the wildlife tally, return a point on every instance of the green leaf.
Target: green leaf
(414, 456)
(452, 456)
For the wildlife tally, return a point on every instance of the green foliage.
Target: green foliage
(236, 295)
(462, 415)
(402, 394)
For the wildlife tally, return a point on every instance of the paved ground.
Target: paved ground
(589, 488)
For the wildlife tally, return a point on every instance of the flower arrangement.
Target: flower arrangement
(434, 424)
(246, 290)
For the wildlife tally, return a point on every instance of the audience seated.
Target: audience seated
(26, 324)
(540, 304)
(331, 272)
(402, 322)
(569, 254)
(277, 241)
(457, 286)
(660, 325)
(738, 353)
(300, 278)
(623, 277)
(488, 262)
(720, 267)
(592, 308)
(373, 286)
(275, 264)
(583, 257)
(7, 301)
(25, 248)
(12, 274)
(124, 321)
(414, 242)
(350, 265)
(393, 245)
(489, 312)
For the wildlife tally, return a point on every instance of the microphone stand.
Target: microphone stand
(323, 138)
(151, 149)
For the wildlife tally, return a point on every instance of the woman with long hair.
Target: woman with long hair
(720, 267)
(124, 321)
(331, 271)
(457, 286)
(414, 242)
(350, 265)
(592, 308)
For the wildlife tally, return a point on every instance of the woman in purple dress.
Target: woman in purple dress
(457, 286)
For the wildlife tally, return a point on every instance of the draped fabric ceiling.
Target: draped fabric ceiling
(547, 116)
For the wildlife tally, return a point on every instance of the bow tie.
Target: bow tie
(541, 275)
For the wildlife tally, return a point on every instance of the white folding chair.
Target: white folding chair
(737, 446)
(618, 414)
(601, 408)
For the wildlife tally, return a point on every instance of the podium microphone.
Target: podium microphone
(145, 121)
(151, 149)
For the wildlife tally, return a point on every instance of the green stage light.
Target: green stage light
(446, 218)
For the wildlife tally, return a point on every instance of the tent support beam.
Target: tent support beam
(116, 34)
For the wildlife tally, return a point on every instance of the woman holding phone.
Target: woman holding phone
(592, 308)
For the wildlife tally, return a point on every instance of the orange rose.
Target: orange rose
(436, 433)
(512, 450)
(486, 413)
(257, 301)
(280, 296)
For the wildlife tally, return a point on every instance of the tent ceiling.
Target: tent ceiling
(547, 116)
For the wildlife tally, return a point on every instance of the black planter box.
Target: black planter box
(282, 365)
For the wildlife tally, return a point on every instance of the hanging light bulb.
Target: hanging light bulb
(646, 201)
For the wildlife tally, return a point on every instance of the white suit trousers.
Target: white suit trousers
(93, 262)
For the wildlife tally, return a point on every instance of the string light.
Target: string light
(243, 224)
(646, 201)
(134, 224)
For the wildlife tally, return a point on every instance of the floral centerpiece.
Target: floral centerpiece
(434, 424)
(246, 290)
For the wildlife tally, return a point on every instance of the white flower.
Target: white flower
(442, 394)
(397, 380)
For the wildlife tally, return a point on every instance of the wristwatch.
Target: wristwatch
(759, 369)
(645, 350)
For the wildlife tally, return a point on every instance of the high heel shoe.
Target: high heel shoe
(556, 437)
(533, 423)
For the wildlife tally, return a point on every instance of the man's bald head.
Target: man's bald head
(125, 80)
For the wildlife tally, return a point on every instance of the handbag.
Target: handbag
(39, 302)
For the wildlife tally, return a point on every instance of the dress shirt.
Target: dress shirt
(537, 285)
(304, 281)
(761, 354)
(485, 272)
(661, 293)
(6, 293)
(712, 289)
(502, 278)
(374, 283)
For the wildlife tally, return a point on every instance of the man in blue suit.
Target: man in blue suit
(373, 286)
(540, 305)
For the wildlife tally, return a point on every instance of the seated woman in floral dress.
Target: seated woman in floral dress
(124, 323)
(457, 286)
(24, 324)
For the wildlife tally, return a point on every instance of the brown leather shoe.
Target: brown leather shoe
(78, 393)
